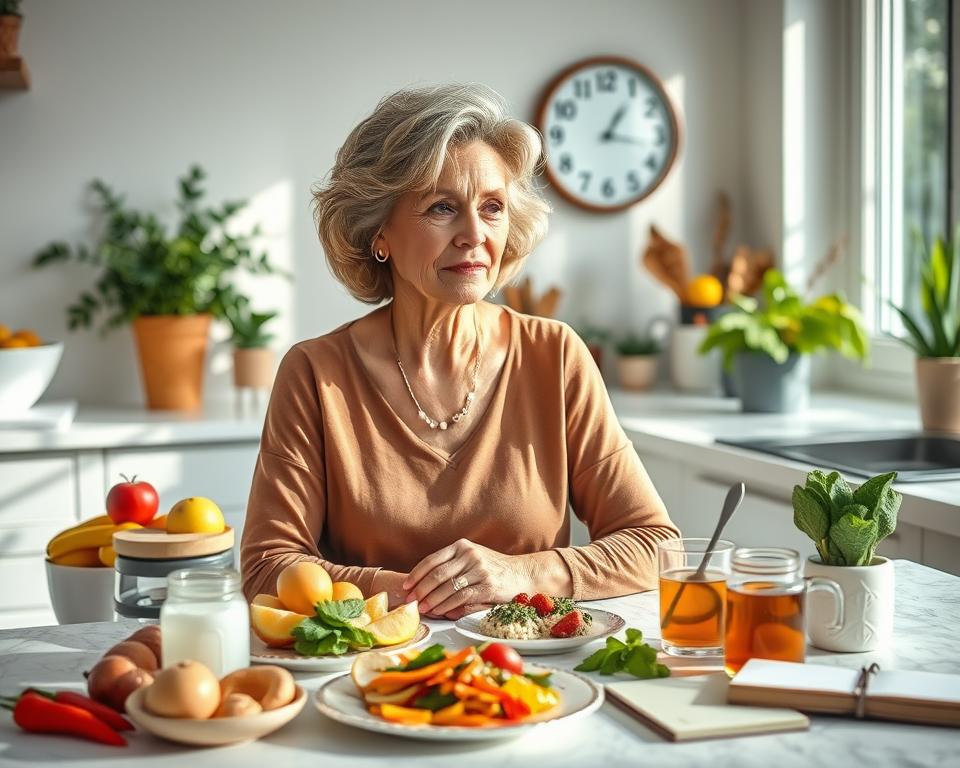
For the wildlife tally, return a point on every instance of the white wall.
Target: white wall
(262, 94)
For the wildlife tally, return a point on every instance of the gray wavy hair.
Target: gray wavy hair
(402, 147)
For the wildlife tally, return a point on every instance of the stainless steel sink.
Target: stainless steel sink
(916, 457)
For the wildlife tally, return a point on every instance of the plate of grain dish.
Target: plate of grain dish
(541, 624)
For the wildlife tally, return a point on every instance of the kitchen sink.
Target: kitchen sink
(916, 457)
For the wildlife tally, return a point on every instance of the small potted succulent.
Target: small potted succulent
(846, 526)
(253, 360)
(10, 22)
(168, 286)
(637, 361)
(934, 335)
(767, 343)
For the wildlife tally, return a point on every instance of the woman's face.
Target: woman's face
(447, 244)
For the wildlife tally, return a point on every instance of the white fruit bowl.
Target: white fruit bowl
(25, 374)
(79, 594)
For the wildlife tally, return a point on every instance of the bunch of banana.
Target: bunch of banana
(89, 544)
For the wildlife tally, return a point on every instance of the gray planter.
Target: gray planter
(766, 386)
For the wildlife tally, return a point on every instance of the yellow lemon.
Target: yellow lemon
(195, 515)
(704, 291)
(397, 626)
(5, 332)
(344, 590)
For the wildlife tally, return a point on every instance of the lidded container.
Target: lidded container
(205, 618)
(145, 557)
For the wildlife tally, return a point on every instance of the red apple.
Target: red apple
(132, 502)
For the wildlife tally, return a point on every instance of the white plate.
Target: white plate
(604, 624)
(289, 658)
(217, 731)
(339, 699)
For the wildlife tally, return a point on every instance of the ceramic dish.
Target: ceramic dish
(604, 624)
(339, 700)
(217, 731)
(289, 658)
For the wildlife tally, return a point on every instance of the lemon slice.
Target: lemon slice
(368, 666)
(376, 606)
(397, 626)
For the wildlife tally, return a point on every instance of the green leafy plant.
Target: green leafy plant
(146, 271)
(784, 323)
(940, 299)
(10, 8)
(247, 325)
(846, 525)
(593, 334)
(329, 631)
(634, 656)
(633, 345)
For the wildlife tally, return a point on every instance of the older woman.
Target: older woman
(431, 447)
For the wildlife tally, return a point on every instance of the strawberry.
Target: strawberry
(542, 603)
(568, 626)
(522, 599)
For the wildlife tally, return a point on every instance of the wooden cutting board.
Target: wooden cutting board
(152, 544)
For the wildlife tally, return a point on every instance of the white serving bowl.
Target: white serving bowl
(80, 594)
(25, 374)
(217, 731)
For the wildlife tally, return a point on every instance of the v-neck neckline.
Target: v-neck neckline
(450, 459)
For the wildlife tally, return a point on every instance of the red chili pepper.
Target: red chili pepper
(110, 716)
(38, 714)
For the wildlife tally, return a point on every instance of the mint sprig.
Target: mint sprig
(329, 631)
(634, 657)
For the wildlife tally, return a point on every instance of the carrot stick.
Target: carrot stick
(424, 673)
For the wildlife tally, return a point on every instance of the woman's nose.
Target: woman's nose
(471, 233)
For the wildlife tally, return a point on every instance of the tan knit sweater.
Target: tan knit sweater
(343, 481)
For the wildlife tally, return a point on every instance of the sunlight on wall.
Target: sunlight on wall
(794, 151)
(272, 209)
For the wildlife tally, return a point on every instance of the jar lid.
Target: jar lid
(153, 544)
(766, 561)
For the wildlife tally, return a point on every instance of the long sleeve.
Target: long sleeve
(610, 490)
(287, 509)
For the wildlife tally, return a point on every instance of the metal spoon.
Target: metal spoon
(730, 504)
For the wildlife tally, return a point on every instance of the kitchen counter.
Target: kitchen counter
(927, 624)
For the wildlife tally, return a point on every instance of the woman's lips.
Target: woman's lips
(467, 268)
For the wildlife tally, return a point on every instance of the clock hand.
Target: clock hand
(624, 139)
(607, 135)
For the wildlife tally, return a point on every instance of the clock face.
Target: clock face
(610, 133)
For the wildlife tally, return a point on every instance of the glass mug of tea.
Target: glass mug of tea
(693, 593)
(766, 594)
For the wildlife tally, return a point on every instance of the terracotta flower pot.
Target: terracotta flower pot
(10, 36)
(637, 372)
(173, 356)
(253, 367)
(938, 389)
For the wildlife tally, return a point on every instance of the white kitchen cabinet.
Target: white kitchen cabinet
(667, 477)
(941, 550)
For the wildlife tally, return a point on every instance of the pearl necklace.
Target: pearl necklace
(471, 395)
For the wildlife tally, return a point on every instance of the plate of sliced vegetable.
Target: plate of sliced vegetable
(467, 694)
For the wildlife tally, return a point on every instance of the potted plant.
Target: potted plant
(10, 22)
(253, 360)
(168, 287)
(767, 343)
(937, 349)
(637, 361)
(596, 339)
(846, 527)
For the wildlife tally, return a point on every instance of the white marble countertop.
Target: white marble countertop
(927, 625)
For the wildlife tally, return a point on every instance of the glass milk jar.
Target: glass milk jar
(205, 618)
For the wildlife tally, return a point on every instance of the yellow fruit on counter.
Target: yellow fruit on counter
(14, 342)
(704, 291)
(398, 626)
(5, 332)
(108, 556)
(160, 521)
(31, 337)
(195, 515)
(344, 590)
(376, 606)
(87, 557)
(85, 537)
(302, 585)
(268, 601)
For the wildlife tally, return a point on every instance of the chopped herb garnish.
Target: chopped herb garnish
(513, 613)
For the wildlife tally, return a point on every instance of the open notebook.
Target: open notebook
(909, 696)
(688, 708)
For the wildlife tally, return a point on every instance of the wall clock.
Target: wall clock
(610, 133)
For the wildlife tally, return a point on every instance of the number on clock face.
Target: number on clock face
(610, 134)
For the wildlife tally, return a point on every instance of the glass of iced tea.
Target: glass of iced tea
(693, 594)
(766, 596)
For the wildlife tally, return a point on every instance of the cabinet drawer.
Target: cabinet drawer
(37, 491)
(221, 473)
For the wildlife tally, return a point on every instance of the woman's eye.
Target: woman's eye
(494, 206)
(441, 207)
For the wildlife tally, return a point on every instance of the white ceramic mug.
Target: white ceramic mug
(867, 607)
